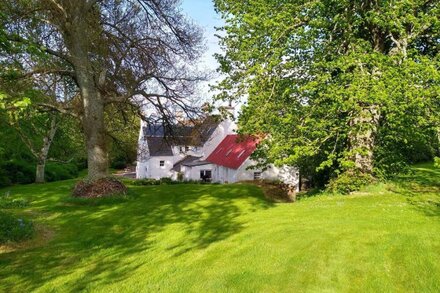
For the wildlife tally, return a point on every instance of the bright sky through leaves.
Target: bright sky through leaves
(203, 13)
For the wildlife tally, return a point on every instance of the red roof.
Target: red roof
(233, 151)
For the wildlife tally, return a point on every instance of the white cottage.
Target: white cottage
(210, 151)
(161, 151)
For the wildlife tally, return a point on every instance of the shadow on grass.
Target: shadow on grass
(422, 188)
(99, 237)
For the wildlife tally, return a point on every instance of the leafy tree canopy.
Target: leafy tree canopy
(343, 88)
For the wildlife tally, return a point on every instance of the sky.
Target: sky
(203, 14)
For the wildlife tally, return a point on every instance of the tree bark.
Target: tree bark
(362, 138)
(40, 173)
(77, 42)
(44, 152)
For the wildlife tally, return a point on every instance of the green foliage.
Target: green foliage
(59, 171)
(119, 163)
(4, 179)
(124, 129)
(437, 162)
(349, 182)
(166, 181)
(19, 171)
(13, 229)
(146, 181)
(311, 70)
(8, 202)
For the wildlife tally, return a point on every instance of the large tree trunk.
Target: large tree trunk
(362, 138)
(94, 130)
(77, 42)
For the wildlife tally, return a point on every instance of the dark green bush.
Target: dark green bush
(146, 181)
(4, 179)
(58, 171)
(19, 171)
(13, 229)
(349, 182)
(166, 180)
(119, 164)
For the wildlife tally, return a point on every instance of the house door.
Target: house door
(206, 175)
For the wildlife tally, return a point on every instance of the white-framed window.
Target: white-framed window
(161, 163)
(257, 175)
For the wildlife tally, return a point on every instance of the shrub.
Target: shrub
(13, 229)
(146, 181)
(9, 203)
(437, 162)
(4, 179)
(119, 164)
(58, 171)
(166, 180)
(19, 171)
(348, 182)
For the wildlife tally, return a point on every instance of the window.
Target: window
(162, 163)
(227, 154)
(206, 175)
(257, 175)
(186, 148)
(241, 153)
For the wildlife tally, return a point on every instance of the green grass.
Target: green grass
(204, 238)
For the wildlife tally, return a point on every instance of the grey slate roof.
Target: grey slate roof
(159, 146)
(190, 161)
(160, 139)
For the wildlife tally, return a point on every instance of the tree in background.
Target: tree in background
(114, 52)
(344, 89)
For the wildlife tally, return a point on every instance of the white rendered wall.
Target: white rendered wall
(193, 173)
(143, 155)
(225, 128)
(152, 168)
(286, 174)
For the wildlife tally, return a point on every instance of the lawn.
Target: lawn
(214, 238)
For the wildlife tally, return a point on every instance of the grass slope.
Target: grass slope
(204, 238)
